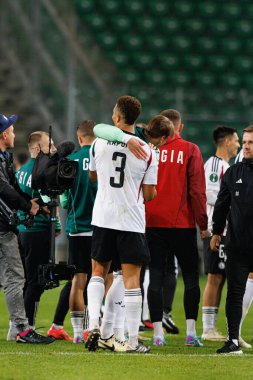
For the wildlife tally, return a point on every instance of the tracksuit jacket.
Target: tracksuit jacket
(181, 188)
(235, 202)
(10, 192)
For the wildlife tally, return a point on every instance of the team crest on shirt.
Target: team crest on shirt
(213, 177)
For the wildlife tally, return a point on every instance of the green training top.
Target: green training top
(24, 178)
(112, 133)
(79, 200)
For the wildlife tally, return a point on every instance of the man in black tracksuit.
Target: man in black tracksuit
(235, 204)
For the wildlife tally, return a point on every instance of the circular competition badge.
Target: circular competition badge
(213, 177)
(221, 265)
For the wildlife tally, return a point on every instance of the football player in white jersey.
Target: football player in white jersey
(124, 182)
(226, 141)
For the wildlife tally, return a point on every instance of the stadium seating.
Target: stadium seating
(170, 53)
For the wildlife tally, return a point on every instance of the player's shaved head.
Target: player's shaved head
(174, 116)
(85, 128)
(36, 138)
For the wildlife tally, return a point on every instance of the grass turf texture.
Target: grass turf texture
(65, 360)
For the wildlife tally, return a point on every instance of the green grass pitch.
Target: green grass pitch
(64, 360)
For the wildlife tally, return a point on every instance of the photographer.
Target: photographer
(34, 241)
(12, 272)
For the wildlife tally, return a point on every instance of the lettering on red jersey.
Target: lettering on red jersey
(172, 156)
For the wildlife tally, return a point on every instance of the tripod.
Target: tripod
(50, 274)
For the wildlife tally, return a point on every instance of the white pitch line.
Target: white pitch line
(65, 353)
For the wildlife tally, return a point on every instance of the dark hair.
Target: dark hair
(249, 129)
(173, 115)
(160, 126)
(221, 132)
(130, 108)
(85, 128)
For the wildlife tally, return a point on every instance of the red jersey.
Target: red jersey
(181, 189)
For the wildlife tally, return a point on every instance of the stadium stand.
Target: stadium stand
(197, 49)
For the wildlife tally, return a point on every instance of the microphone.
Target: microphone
(65, 148)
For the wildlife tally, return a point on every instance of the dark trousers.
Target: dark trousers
(165, 242)
(238, 266)
(34, 251)
(169, 283)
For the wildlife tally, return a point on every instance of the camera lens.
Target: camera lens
(67, 170)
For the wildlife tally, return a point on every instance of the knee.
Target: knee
(215, 280)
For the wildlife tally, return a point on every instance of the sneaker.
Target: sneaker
(169, 324)
(107, 344)
(142, 338)
(193, 341)
(92, 341)
(140, 349)
(30, 336)
(60, 334)
(244, 344)
(213, 335)
(85, 334)
(159, 340)
(78, 339)
(148, 325)
(12, 333)
(120, 346)
(230, 349)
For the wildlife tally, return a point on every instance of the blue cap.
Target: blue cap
(6, 122)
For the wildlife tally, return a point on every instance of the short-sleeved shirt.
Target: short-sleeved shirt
(119, 202)
(215, 168)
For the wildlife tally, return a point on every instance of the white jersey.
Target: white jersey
(215, 168)
(239, 156)
(119, 203)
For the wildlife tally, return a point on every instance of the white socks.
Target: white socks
(209, 317)
(190, 327)
(113, 304)
(77, 324)
(158, 329)
(133, 302)
(57, 327)
(95, 292)
(145, 310)
(247, 300)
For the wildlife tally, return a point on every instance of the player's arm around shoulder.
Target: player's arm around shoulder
(150, 178)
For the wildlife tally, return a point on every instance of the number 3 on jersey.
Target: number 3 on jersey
(120, 159)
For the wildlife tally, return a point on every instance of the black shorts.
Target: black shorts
(120, 247)
(80, 253)
(214, 262)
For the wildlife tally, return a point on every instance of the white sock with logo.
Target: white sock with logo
(133, 302)
(95, 293)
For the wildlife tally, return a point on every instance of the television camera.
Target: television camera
(52, 174)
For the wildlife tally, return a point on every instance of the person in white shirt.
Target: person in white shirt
(124, 182)
(226, 141)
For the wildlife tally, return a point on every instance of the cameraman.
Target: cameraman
(34, 241)
(12, 272)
